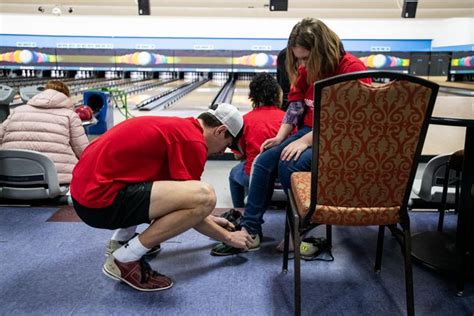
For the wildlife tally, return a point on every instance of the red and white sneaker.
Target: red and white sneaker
(137, 274)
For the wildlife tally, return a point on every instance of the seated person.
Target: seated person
(49, 125)
(260, 124)
(314, 52)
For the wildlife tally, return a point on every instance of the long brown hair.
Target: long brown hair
(326, 49)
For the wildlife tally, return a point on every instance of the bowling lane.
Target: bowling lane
(446, 139)
(195, 102)
(134, 99)
(93, 86)
(241, 96)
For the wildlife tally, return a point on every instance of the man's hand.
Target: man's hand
(222, 222)
(239, 239)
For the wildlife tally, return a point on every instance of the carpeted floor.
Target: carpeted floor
(51, 265)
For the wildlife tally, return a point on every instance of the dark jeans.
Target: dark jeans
(265, 171)
(239, 184)
(286, 168)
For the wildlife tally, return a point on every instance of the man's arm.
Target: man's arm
(238, 239)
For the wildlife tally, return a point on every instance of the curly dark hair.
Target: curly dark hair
(265, 90)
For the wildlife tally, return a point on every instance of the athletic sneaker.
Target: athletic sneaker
(232, 216)
(137, 274)
(113, 245)
(312, 247)
(223, 249)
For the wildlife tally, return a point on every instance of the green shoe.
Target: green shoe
(223, 249)
(312, 247)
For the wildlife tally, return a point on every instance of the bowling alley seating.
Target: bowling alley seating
(6, 97)
(26, 93)
(439, 185)
(365, 156)
(28, 175)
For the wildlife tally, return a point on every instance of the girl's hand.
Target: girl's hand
(294, 150)
(238, 156)
(269, 143)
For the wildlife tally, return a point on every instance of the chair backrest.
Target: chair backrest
(367, 139)
(28, 175)
(431, 186)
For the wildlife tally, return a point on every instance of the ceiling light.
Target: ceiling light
(56, 10)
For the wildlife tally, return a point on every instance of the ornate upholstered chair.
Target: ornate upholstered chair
(367, 140)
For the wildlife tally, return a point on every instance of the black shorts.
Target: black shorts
(130, 207)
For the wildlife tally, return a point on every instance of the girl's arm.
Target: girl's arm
(293, 115)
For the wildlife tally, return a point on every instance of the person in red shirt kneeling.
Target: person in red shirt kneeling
(148, 170)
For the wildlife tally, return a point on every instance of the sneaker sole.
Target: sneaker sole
(147, 255)
(114, 277)
(221, 254)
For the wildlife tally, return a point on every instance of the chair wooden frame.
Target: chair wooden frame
(298, 225)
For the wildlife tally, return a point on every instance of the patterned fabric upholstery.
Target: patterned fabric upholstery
(338, 215)
(367, 143)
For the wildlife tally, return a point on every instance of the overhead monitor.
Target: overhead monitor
(85, 59)
(278, 5)
(144, 60)
(462, 63)
(203, 60)
(396, 61)
(27, 58)
(254, 61)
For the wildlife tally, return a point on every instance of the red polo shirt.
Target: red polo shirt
(302, 90)
(137, 150)
(259, 124)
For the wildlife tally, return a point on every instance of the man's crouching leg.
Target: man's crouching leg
(174, 208)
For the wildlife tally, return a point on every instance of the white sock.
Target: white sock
(131, 251)
(123, 234)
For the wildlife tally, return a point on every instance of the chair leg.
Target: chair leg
(329, 235)
(444, 198)
(286, 244)
(408, 272)
(378, 256)
(297, 262)
(456, 194)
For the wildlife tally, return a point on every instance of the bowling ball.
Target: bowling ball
(84, 112)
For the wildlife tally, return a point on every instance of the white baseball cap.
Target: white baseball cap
(229, 116)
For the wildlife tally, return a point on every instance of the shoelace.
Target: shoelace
(147, 271)
(232, 216)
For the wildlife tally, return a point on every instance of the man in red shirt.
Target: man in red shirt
(147, 170)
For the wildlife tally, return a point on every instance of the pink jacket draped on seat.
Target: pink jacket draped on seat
(47, 124)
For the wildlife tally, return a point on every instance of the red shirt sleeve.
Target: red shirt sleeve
(298, 91)
(355, 66)
(186, 160)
